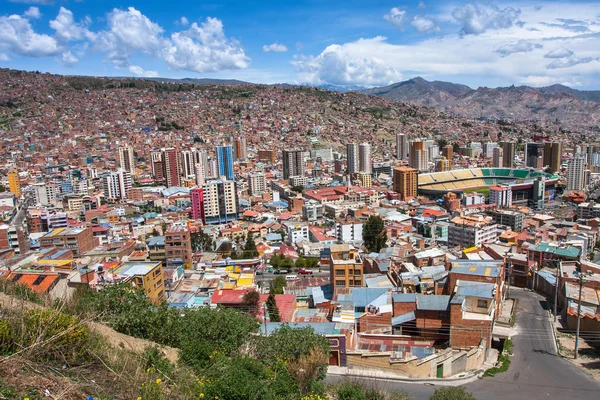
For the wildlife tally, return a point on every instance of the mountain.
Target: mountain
(200, 81)
(573, 109)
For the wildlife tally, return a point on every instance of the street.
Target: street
(536, 371)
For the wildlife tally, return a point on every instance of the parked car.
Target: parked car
(259, 272)
(280, 271)
(302, 271)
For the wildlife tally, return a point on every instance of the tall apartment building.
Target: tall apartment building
(257, 184)
(534, 155)
(472, 230)
(364, 158)
(127, 159)
(117, 184)
(188, 160)
(293, 163)
(197, 200)
(225, 162)
(78, 240)
(501, 196)
(405, 182)
(346, 267)
(352, 158)
(576, 172)
(508, 154)
(553, 156)
(14, 183)
(488, 149)
(241, 149)
(220, 201)
(178, 246)
(46, 194)
(402, 146)
(419, 156)
(498, 157)
(171, 167)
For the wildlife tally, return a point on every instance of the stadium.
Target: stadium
(464, 180)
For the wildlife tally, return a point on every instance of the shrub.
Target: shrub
(350, 391)
(452, 393)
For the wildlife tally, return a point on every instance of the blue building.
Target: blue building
(225, 161)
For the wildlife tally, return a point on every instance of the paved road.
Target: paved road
(536, 372)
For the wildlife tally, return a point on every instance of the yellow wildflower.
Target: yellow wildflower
(158, 381)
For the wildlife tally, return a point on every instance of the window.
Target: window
(340, 272)
(482, 304)
(340, 283)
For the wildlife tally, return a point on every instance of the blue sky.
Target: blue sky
(352, 42)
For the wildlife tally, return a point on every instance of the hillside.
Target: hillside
(570, 108)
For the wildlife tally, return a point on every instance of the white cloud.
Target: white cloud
(4, 57)
(68, 30)
(139, 71)
(396, 17)
(424, 25)
(522, 46)
(33, 13)
(477, 18)
(184, 21)
(68, 59)
(40, 2)
(561, 52)
(570, 62)
(17, 36)
(130, 31)
(205, 48)
(348, 64)
(275, 47)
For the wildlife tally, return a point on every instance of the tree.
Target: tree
(273, 309)
(249, 250)
(301, 263)
(201, 241)
(250, 302)
(374, 234)
(442, 143)
(452, 393)
(277, 285)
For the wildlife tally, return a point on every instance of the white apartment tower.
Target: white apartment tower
(117, 184)
(402, 148)
(364, 158)
(576, 172)
(257, 184)
(127, 159)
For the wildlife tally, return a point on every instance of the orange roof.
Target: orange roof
(39, 283)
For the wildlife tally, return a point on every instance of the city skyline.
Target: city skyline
(306, 42)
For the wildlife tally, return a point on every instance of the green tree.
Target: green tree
(250, 302)
(277, 285)
(249, 250)
(201, 241)
(301, 263)
(452, 393)
(374, 234)
(273, 309)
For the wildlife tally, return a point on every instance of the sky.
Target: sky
(348, 43)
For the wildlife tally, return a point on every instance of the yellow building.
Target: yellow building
(147, 275)
(405, 182)
(346, 267)
(365, 179)
(14, 183)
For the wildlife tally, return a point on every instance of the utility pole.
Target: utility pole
(556, 290)
(265, 317)
(508, 281)
(580, 277)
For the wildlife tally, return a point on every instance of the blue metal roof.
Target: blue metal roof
(548, 276)
(434, 302)
(362, 297)
(401, 319)
(476, 289)
(404, 297)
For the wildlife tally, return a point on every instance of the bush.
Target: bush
(350, 391)
(451, 393)
(19, 291)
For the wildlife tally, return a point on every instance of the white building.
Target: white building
(472, 230)
(46, 194)
(576, 172)
(127, 159)
(220, 201)
(117, 184)
(349, 231)
(364, 158)
(257, 184)
(296, 232)
(473, 199)
(501, 196)
(402, 148)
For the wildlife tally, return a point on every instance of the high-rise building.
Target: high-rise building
(127, 159)
(433, 152)
(220, 201)
(576, 172)
(197, 200)
(488, 149)
(241, 149)
(225, 162)
(117, 184)
(498, 156)
(534, 155)
(401, 146)
(171, 167)
(352, 158)
(188, 159)
(553, 156)
(14, 183)
(46, 194)
(405, 182)
(501, 196)
(257, 184)
(418, 158)
(200, 174)
(448, 152)
(508, 154)
(364, 158)
(293, 163)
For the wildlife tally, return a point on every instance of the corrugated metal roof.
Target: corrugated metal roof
(362, 297)
(476, 289)
(432, 302)
(401, 319)
(404, 297)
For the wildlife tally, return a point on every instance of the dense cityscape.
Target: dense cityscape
(404, 236)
